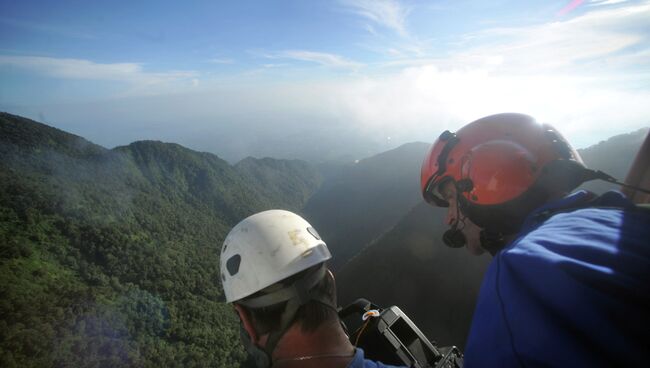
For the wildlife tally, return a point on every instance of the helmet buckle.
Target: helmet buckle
(465, 185)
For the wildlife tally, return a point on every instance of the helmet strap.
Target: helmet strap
(296, 295)
(260, 357)
(454, 237)
(491, 241)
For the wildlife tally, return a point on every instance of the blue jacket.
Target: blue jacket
(572, 290)
(359, 361)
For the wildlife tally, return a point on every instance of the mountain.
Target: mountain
(613, 156)
(366, 199)
(110, 257)
(436, 286)
(290, 183)
(410, 267)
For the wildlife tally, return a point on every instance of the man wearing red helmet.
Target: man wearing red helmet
(569, 284)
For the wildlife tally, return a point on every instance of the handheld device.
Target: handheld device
(389, 336)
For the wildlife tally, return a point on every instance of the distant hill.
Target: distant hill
(110, 257)
(288, 183)
(613, 156)
(366, 199)
(409, 266)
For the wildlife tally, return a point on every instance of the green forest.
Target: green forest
(110, 257)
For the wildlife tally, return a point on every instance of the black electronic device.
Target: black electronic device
(389, 336)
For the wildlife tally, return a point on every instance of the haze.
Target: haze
(322, 79)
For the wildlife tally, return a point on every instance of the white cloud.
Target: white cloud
(221, 61)
(586, 72)
(387, 13)
(326, 59)
(606, 2)
(139, 81)
(420, 101)
(274, 65)
(578, 45)
(588, 75)
(85, 69)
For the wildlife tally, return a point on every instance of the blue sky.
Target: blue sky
(244, 77)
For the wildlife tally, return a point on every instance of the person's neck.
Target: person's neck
(327, 346)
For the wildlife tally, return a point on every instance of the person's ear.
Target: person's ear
(247, 323)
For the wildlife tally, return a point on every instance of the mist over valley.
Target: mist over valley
(110, 256)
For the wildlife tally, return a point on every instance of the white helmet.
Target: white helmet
(266, 248)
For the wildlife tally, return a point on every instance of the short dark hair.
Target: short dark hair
(310, 315)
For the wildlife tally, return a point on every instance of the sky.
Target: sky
(322, 79)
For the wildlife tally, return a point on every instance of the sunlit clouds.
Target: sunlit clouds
(391, 14)
(136, 79)
(368, 70)
(321, 58)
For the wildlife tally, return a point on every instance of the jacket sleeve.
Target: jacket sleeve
(573, 292)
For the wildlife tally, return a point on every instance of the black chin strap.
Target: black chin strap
(260, 357)
(492, 242)
(454, 237)
(597, 174)
(296, 295)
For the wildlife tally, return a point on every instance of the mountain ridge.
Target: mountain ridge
(410, 256)
(123, 244)
(365, 199)
(108, 256)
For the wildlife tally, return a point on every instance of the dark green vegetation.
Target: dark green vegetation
(435, 285)
(110, 257)
(366, 199)
(387, 244)
(438, 286)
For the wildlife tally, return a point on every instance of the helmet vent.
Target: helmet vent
(559, 144)
(232, 265)
(314, 233)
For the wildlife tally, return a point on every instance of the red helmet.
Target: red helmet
(503, 166)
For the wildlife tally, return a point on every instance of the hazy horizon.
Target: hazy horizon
(323, 79)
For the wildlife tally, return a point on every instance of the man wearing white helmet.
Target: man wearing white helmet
(274, 273)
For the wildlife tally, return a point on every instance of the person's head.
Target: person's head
(273, 271)
(492, 173)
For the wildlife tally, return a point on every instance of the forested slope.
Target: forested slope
(365, 200)
(110, 257)
(409, 266)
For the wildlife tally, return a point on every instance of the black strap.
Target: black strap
(589, 203)
(299, 289)
(597, 174)
(296, 295)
